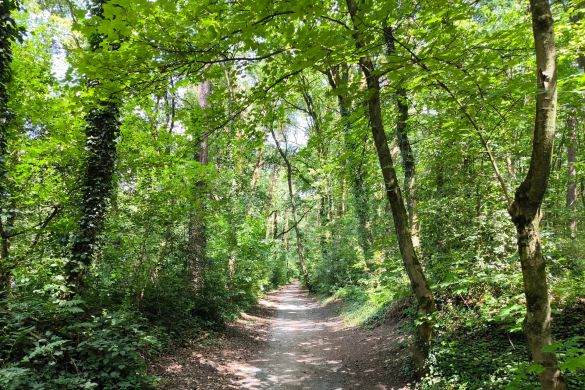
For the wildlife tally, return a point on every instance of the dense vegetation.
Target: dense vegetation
(164, 163)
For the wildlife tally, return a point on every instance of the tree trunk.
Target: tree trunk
(408, 166)
(338, 80)
(256, 172)
(101, 132)
(408, 163)
(300, 250)
(525, 210)
(268, 205)
(572, 174)
(286, 230)
(9, 33)
(322, 154)
(197, 235)
(418, 281)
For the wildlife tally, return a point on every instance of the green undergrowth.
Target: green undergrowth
(474, 353)
(102, 339)
(366, 307)
(478, 343)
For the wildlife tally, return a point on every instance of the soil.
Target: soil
(290, 341)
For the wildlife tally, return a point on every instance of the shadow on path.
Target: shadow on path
(290, 341)
(308, 348)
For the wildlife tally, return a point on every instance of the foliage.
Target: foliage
(288, 69)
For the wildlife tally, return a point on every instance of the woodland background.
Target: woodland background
(165, 163)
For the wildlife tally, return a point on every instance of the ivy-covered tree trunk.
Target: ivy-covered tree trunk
(9, 32)
(338, 80)
(197, 239)
(418, 281)
(101, 132)
(525, 210)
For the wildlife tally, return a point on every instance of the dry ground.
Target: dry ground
(290, 341)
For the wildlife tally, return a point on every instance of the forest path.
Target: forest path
(291, 342)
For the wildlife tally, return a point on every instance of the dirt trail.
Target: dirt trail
(291, 342)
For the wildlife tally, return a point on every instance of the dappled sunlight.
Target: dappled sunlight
(301, 348)
(294, 342)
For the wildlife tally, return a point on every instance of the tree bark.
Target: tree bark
(268, 205)
(300, 250)
(256, 172)
(197, 239)
(408, 163)
(525, 210)
(412, 265)
(572, 173)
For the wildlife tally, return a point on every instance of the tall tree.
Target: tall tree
(101, 132)
(571, 198)
(412, 264)
(300, 250)
(9, 33)
(525, 210)
(197, 236)
(338, 77)
(317, 136)
(408, 162)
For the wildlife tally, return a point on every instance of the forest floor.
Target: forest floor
(290, 341)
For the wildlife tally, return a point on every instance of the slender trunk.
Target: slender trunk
(256, 172)
(322, 153)
(275, 224)
(572, 173)
(300, 250)
(408, 163)
(408, 166)
(286, 229)
(268, 205)
(338, 80)
(341, 205)
(197, 233)
(9, 33)
(582, 191)
(418, 281)
(510, 167)
(525, 210)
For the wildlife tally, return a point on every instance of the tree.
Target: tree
(101, 133)
(525, 211)
(408, 162)
(9, 33)
(293, 205)
(418, 281)
(338, 77)
(571, 198)
(197, 235)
